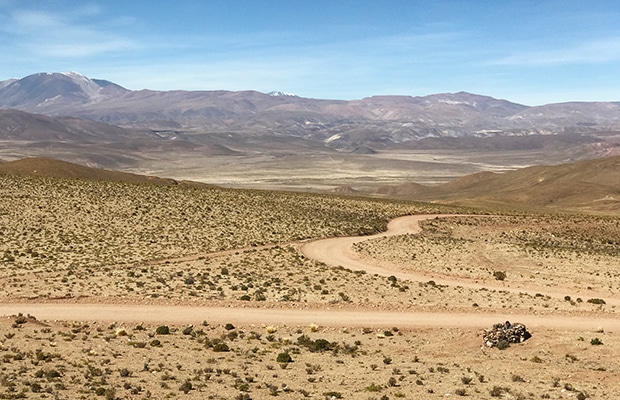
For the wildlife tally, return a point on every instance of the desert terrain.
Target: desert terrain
(248, 139)
(136, 290)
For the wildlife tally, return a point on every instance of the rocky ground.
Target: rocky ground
(73, 245)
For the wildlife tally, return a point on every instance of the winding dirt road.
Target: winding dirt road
(339, 252)
(335, 252)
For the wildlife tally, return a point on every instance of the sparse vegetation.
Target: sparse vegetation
(117, 369)
(65, 240)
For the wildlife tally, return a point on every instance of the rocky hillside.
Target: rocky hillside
(375, 122)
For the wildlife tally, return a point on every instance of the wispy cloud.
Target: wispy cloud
(592, 52)
(62, 35)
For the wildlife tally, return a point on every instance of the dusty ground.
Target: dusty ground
(319, 171)
(88, 360)
(408, 328)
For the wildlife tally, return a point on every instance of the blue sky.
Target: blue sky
(528, 51)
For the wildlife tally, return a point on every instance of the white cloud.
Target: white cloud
(34, 33)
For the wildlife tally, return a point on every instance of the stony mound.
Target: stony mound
(502, 335)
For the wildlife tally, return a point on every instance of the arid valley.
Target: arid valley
(252, 200)
(133, 290)
(243, 245)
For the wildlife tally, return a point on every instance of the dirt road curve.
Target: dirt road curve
(339, 252)
(336, 251)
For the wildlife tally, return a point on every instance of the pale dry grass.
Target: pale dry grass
(134, 361)
(76, 222)
(66, 240)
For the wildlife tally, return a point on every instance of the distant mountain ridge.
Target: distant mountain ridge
(19, 126)
(49, 91)
(372, 122)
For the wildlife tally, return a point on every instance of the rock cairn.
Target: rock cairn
(501, 335)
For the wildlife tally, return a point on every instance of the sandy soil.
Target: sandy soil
(85, 348)
(341, 251)
(335, 252)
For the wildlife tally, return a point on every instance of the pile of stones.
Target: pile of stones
(501, 335)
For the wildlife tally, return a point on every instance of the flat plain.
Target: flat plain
(185, 292)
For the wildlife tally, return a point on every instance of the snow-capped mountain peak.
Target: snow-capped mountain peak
(73, 74)
(276, 93)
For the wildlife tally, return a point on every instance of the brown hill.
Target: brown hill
(17, 125)
(592, 185)
(409, 189)
(48, 167)
(95, 143)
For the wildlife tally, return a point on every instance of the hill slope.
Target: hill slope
(47, 167)
(592, 185)
(20, 126)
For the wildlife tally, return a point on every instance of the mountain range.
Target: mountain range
(380, 145)
(376, 122)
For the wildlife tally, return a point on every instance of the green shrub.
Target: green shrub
(596, 342)
(499, 275)
(318, 345)
(374, 388)
(221, 347)
(284, 358)
(163, 330)
(186, 386)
